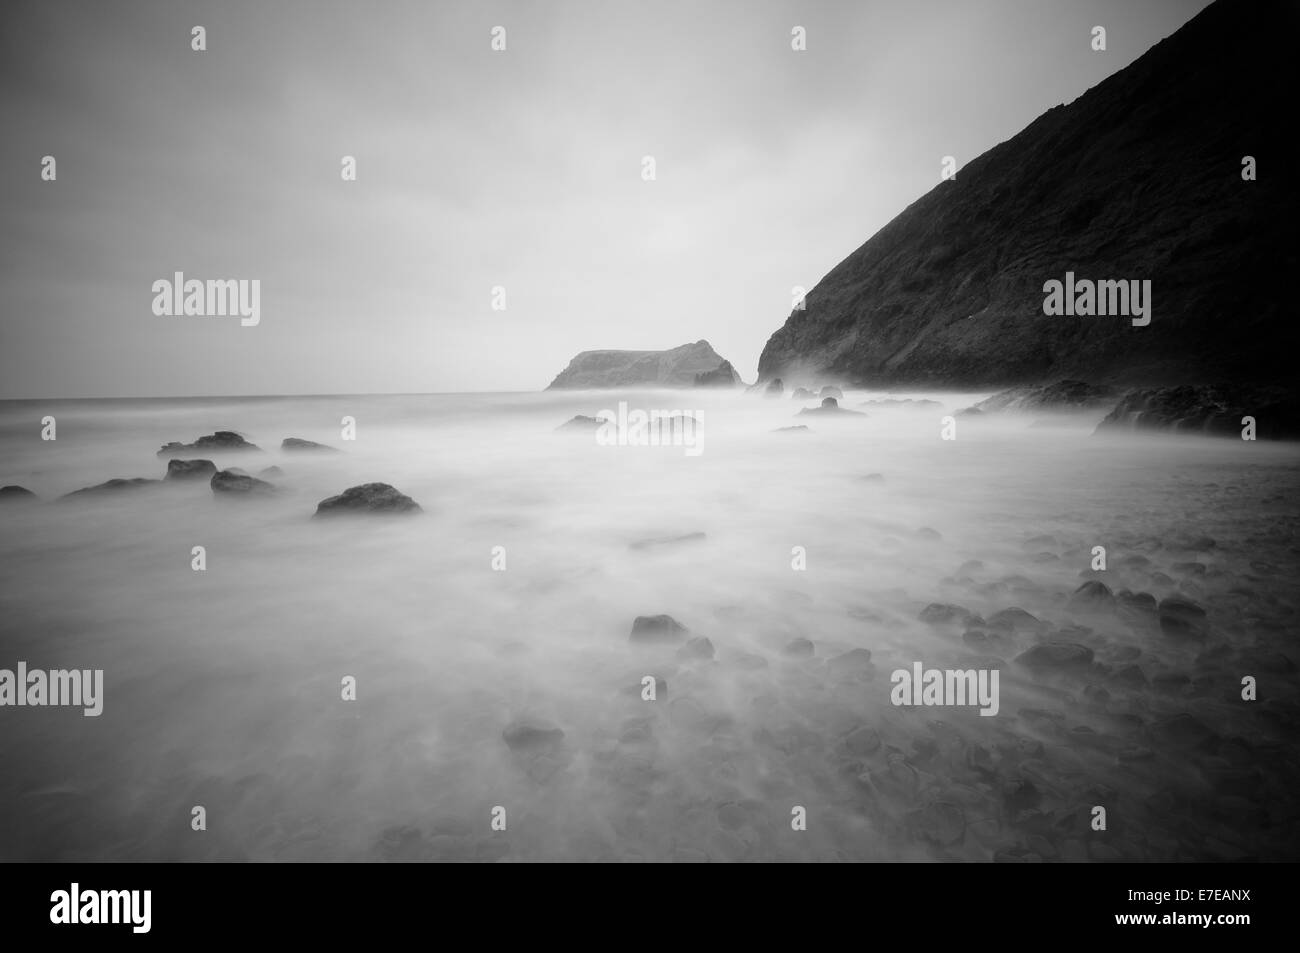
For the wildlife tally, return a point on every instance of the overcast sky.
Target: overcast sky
(476, 168)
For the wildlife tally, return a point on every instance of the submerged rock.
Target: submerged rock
(239, 484)
(667, 541)
(225, 440)
(297, 443)
(368, 498)
(190, 469)
(1056, 657)
(800, 648)
(531, 734)
(111, 487)
(581, 422)
(657, 628)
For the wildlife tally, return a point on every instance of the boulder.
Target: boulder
(111, 487)
(235, 485)
(15, 494)
(178, 469)
(378, 498)
(831, 408)
(657, 628)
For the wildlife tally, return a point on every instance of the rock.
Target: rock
(224, 482)
(657, 628)
(1020, 794)
(1181, 618)
(297, 443)
(531, 734)
(800, 648)
(724, 375)
(951, 290)
(223, 440)
(1017, 620)
(800, 428)
(831, 408)
(802, 393)
(270, 472)
(894, 403)
(862, 741)
(1056, 657)
(1213, 410)
(831, 391)
(110, 487)
(582, 423)
(368, 498)
(1065, 395)
(16, 494)
(939, 823)
(190, 469)
(1093, 596)
(942, 613)
(853, 663)
(677, 367)
(1183, 730)
(696, 648)
(667, 541)
(774, 389)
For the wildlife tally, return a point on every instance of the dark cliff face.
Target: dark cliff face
(1139, 178)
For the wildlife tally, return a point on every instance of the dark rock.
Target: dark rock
(190, 469)
(368, 498)
(942, 613)
(582, 423)
(800, 648)
(1183, 730)
(110, 487)
(831, 408)
(696, 648)
(1017, 620)
(239, 484)
(1181, 618)
(1093, 595)
(224, 440)
(1066, 395)
(14, 494)
(657, 628)
(677, 367)
(297, 443)
(1214, 410)
(1056, 657)
(531, 734)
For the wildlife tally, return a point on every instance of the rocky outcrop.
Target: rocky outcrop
(1211, 409)
(221, 440)
(673, 368)
(1139, 178)
(190, 469)
(377, 498)
(228, 483)
(110, 488)
(724, 375)
(297, 443)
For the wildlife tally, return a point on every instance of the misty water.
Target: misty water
(223, 687)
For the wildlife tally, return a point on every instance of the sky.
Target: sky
(476, 169)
